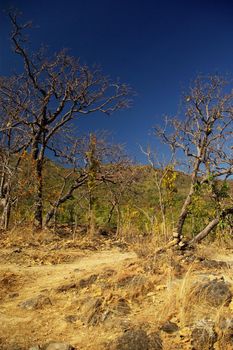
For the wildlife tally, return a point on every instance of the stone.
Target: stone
(169, 327)
(203, 336)
(215, 292)
(58, 346)
(155, 342)
(91, 313)
(71, 318)
(225, 333)
(35, 303)
(133, 340)
(213, 264)
(121, 307)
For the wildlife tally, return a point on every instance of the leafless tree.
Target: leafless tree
(49, 94)
(13, 144)
(204, 135)
(88, 162)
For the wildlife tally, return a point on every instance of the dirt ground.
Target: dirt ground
(88, 295)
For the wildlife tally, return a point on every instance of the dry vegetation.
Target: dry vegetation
(101, 295)
(97, 252)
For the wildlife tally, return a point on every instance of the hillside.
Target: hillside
(101, 295)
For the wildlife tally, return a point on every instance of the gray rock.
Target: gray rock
(226, 333)
(133, 340)
(155, 342)
(203, 336)
(91, 311)
(169, 327)
(121, 307)
(35, 303)
(215, 292)
(71, 318)
(59, 346)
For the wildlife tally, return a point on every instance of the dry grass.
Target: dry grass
(97, 295)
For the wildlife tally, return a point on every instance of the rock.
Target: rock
(58, 346)
(121, 307)
(35, 303)
(132, 280)
(225, 333)
(203, 336)
(35, 347)
(155, 342)
(66, 287)
(13, 295)
(213, 264)
(71, 318)
(133, 340)
(83, 283)
(215, 292)
(169, 327)
(91, 313)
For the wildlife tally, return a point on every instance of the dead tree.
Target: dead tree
(88, 162)
(204, 134)
(13, 144)
(49, 94)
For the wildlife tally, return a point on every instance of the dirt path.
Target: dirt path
(51, 276)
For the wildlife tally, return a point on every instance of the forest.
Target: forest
(147, 232)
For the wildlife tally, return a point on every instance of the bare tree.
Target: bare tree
(88, 162)
(13, 144)
(49, 94)
(204, 135)
(164, 177)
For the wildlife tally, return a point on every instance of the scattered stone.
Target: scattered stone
(169, 327)
(13, 295)
(215, 292)
(133, 280)
(91, 311)
(17, 250)
(203, 336)
(225, 333)
(66, 287)
(121, 307)
(213, 264)
(83, 283)
(35, 303)
(133, 340)
(155, 342)
(71, 318)
(58, 346)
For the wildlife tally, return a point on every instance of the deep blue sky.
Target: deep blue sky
(155, 46)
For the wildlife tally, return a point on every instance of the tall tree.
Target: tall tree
(49, 94)
(204, 135)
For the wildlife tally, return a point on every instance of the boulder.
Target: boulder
(138, 339)
(203, 336)
(58, 346)
(133, 340)
(169, 327)
(35, 303)
(216, 292)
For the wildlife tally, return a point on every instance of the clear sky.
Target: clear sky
(155, 46)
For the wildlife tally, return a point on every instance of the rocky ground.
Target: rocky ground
(60, 293)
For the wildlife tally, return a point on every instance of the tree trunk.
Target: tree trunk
(184, 213)
(185, 209)
(78, 183)
(38, 211)
(201, 235)
(6, 204)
